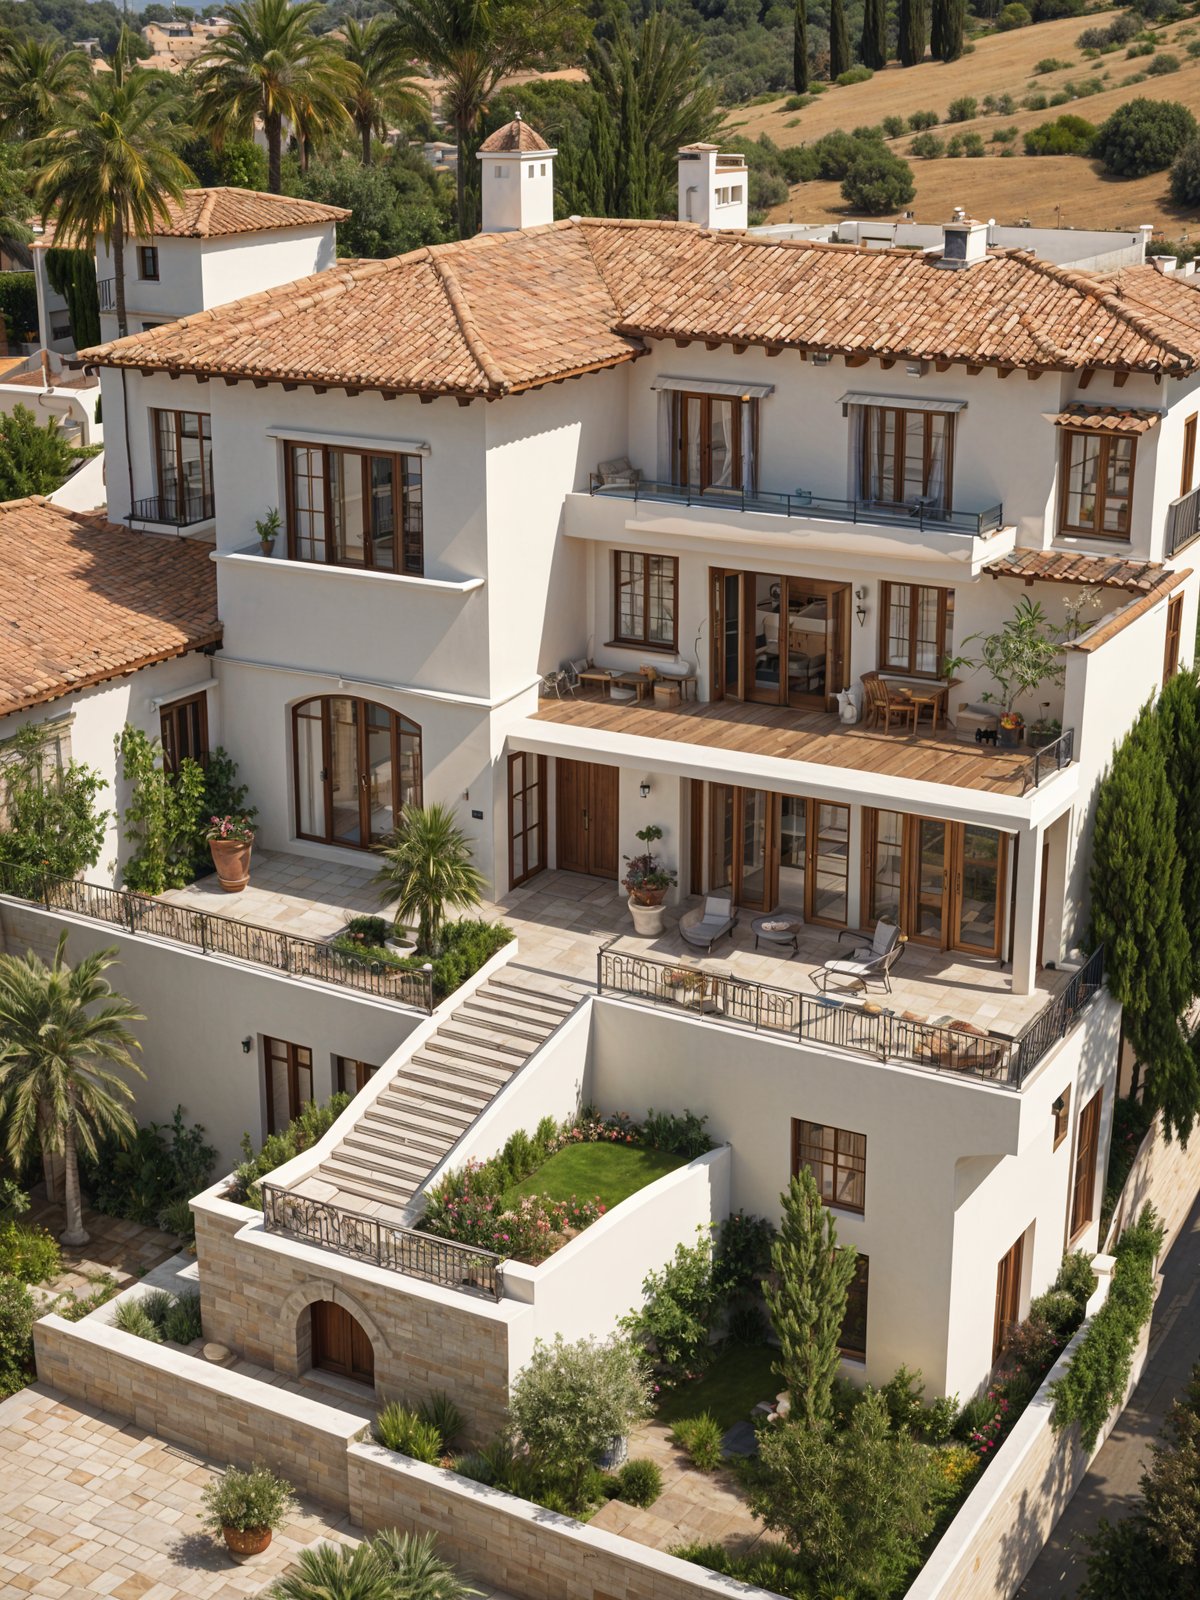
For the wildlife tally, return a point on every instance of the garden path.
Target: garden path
(126, 1251)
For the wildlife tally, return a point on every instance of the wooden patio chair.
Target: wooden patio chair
(885, 703)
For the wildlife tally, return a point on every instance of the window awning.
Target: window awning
(1105, 419)
(739, 391)
(906, 402)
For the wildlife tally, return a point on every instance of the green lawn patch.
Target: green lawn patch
(612, 1171)
(739, 1377)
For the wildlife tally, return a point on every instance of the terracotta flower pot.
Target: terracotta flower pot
(247, 1541)
(232, 861)
(647, 897)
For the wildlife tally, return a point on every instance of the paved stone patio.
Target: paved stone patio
(126, 1251)
(93, 1507)
(561, 919)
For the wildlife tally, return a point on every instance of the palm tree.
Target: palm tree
(415, 1568)
(385, 84)
(109, 166)
(336, 1572)
(272, 65)
(36, 80)
(56, 1053)
(427, 868)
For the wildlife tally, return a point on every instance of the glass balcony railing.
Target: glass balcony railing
(923, 514)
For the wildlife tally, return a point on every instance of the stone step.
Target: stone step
(505, 1025)
(479, 1036)
(352, 1180)
(451, 1068)
(367, 1157)
(472, 1058)
(424, 1116)
(520, 1007)
(404, 1141)
(532, 993)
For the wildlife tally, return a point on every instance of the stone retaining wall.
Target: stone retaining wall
(1166, 1175)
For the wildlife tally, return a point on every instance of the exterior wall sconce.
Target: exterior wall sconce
(860, 610)
(247, 1046)
(644, 788)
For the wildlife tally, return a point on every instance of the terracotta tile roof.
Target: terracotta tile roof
(1068, 566)
(1109, 627)
(500, 312)
(83, 601)
(212, 213)
(513, 136)
(1106, 419)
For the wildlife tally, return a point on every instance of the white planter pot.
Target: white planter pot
(647, 920)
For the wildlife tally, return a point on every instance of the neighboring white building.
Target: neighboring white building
(767, 469)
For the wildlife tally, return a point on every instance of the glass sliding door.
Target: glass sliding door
(943, 883)
(979, 889)
(929, 909)
(884, 867)
(753, 834)
(707, 449)
(779, 640)
(766, 590)
(830, 864)
(356, 766)
(345, 810)
(793, 851)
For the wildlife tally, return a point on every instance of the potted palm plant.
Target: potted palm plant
(247, 1507)
(646, 882)
(230, 840)
(427, 868)
(267, 529)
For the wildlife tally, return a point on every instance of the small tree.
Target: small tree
(72, 274)
(426, 868)
(1185, 176)
(855, 1506)
(873, 47)
(48, 819)
(573, 1400)
(807, 1299)
(1179, 724)
(1144, 136)
(674, 1318)
(33, 459)
(800, 47)
(1021, 656)
(878, 182)
(840, 59)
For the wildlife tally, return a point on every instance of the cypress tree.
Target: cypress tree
(807, 1303)
(874, 35)
(949, 19)
(839, 39)
(1179, 717)
(800, 48)
(1137, 913)
(911, 44)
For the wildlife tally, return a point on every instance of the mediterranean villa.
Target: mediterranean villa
(587, 526)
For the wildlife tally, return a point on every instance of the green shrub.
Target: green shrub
(927, 146)
(972, 144)
(963, 109)
(465, 947)
(742, 1257)
(955, 146)
(16, 1335)
(1163, 63)
(1144, 136)
(681, 1135)
(182, 1323)
(18, 306)
(674, 1319)
(1142, 47)
(74, 1309)
(797, 102)
(893, 127)
(51, 825)
(138, 1179)
(701, 1438)
(28, 1253)
(1049, 64)
(1013, 15)
(244, 1500)
(1099, 1371)
(472, 1464)
(1062, 98)
(904, 1395)
(1132, 1117)
(1035, 102)
(1004, 136)
(1077, 1277)
(857, 74)
(878, 182)
(939, 1421)
(1066, 136)
(132, 1317)
(639, 1483)
(413, 1568)
(177, 1218)
(440, 1412)
(156, 1305)
(1193, 48)
(301, 1134)
(400, 1429)
(769, 1565)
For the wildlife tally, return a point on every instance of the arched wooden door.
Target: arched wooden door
(339, 1343)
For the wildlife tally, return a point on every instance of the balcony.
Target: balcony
(1183, 522)
(106, 289)
(174, 510)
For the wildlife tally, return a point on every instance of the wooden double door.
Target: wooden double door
(339, 1344)
(779, 640)
(943, 883)
(781, 850)
(586, 810)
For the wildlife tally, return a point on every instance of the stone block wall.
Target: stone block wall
(1166, 1175)
(256, 1289)
(228, 1417)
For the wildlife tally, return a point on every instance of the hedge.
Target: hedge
(18, 305)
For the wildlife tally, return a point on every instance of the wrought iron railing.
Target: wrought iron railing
(800, 503)
(826, 1020)
(1183, 521)
(106, 289)
(176, 510)
(214, 935)
(417, 1255)
(1053, 757)
(1057, 1019)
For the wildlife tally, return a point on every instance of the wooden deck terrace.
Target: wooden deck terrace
(816, 736)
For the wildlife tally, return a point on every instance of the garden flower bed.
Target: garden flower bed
(465, 947)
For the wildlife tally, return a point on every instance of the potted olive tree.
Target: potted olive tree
(1020, 656)
(247, 1507)
(646, 881)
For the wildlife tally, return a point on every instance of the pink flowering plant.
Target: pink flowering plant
(234, 829)
(530, 1230)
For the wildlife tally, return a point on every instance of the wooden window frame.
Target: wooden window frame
(363, 1072)
(1173, 639)
(903, 415)
(1187, 470)
(1106, 442)
(952, 887)
(168, 721)
(408, 508)
(1009, 1276)
(680, 399)
(1062, 1118)
(642, 640)
(203, 436)
(290, 1056)
(842, 1163)
(522, 758)
(147, 261)
(945, 617)
(401, 727)
(1084, 1164)
(858, 1293)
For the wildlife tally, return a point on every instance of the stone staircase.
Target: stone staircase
(436, 1095)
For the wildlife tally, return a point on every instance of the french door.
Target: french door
(586, 814)
(526, 816)
(779, 640)
(706, 444)
(780, 850)
(1008, 1296)
(357, 765)
(289, 1074)
(941, 882)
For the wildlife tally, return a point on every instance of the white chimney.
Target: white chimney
(964, 241)
(517, 178)
(714, 189)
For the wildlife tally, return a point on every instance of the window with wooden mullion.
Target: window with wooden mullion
(183, 463)
(355, 508)
(1097, 488)
(853, 1338)
(907, 456)
(645, 590)
(184, 729)
(916, 624)
(837, 1160)
(1087, 1152)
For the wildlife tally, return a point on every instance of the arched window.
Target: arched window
(357, 765)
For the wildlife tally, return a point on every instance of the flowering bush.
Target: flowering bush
(591, 1128)
(988, 1434)
(529, 1231)
(954, 1466)
(238, 830)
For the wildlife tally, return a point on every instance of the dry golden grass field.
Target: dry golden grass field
(1046, 189)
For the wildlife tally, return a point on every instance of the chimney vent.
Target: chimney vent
(964, 241)
(714, 189)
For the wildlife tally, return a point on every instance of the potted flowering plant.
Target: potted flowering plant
(646, 882)
(247, 1507)
(230, 839)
